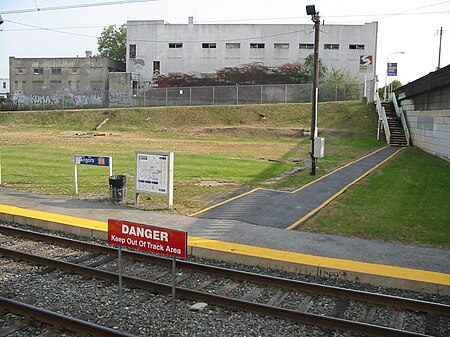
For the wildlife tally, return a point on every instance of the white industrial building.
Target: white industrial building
(156, 47)
(4, 87)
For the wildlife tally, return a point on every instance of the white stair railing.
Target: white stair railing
(399, 113)
(382, 119)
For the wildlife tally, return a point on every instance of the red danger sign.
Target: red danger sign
(149, 238)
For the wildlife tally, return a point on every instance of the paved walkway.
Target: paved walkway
(290, 209)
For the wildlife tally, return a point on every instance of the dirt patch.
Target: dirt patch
(284, 175)
(243, 131)
(215, 183)
(86, 135)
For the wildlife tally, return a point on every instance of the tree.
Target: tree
(112, 42)
(340, 85)
(394, 85)
(306, 76)
(253, 73)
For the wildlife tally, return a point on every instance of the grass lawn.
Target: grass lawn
(406, 200)
(219, 150)
(224, 150)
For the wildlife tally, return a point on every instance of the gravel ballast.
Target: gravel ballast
(147, 314)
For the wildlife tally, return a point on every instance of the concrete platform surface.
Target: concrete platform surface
(237, 232)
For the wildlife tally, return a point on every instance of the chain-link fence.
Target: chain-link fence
(248, 94)
(218, 95)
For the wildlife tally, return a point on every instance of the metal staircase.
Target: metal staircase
(396, 130)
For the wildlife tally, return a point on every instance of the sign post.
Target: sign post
(154, 175)
(174, 274)
(391, 71)
(151, 239)
(366, 63)
(89, 160)
(366, 67)
(119, 257)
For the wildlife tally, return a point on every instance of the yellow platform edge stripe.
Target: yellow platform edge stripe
(258, 252)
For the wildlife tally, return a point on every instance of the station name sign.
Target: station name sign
(92, 160)
(148, 238)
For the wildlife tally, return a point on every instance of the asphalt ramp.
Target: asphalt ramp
(289, 210)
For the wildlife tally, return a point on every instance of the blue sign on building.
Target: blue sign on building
(392, 69)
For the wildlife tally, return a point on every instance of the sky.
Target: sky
(407, 30)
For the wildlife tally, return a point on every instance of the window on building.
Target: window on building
(132, 51)
(281, 45)
(306, 46)
(257, 45)
(38, 71)
(175, 45)
(74, 70)
(356, 46)
(56, 71)
(20, 71)
(331, 46)
(233, 45)
(209, 45)
(156, 67)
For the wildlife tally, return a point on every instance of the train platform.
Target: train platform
(233, 240)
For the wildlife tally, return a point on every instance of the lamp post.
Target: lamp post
(387, 66)
(311, 10)
(440, 46)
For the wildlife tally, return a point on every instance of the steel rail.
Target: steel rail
(59, 320)
(314, 288)
(301, 317)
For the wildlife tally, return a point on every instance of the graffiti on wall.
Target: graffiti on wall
(119, 98)
(58, 98)
(44, 99)
(19, 98)
(92, 98)
(139, 63)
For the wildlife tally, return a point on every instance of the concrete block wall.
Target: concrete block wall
(426, 104)
(429, 129)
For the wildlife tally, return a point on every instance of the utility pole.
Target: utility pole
(311, 10)
(440, 45)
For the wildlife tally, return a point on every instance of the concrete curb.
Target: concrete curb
(378, 275)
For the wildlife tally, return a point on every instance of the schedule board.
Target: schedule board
(154, 174)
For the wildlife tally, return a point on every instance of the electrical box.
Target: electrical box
(319, 147)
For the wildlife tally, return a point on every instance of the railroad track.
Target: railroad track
(307, 303)
(59, 323)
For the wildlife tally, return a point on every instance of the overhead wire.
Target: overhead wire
(108, 3)
(95, 4)
(50, 29)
